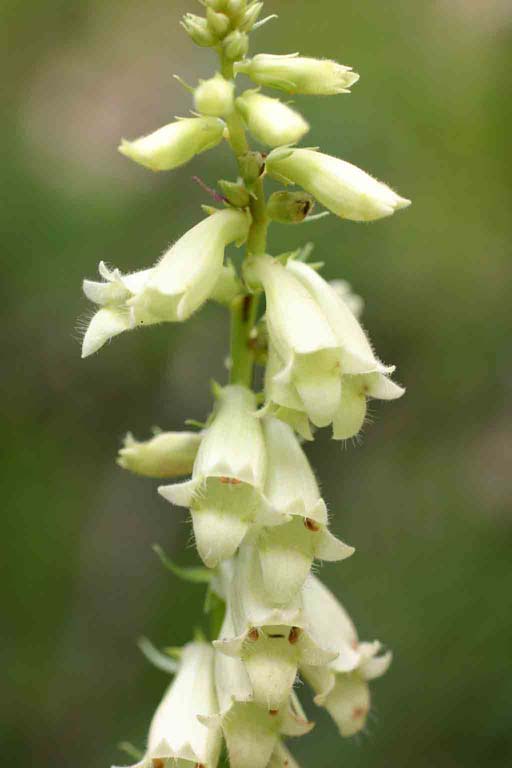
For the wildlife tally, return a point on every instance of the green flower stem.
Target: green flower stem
(237, 138)
(244, 309)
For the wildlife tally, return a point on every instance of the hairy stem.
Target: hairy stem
(244, 309)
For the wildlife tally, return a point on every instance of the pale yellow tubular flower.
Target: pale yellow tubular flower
(341, 187)
(177, 736)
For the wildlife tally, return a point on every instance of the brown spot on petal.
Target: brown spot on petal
(200, 765)
(273, 712)
(158, 763)
(230, 481)
(355, 645)
(311, 525)
(253, 634)
(359, 712)
(295, 633)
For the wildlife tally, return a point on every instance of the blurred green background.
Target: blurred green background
(425, 497)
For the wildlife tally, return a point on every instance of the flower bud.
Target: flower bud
(236, 193)
(214, 97)
(235, 9)
(270, 121)
(184, 278)
(177, 735)
(289, 207)
(197, 28)
(168, 454)
(175, 144)
(225, 494)
(235, 45)
(218, 23)
(343, 188)
(252, 166)
(342, 686)
(296, 74)
(251, 16)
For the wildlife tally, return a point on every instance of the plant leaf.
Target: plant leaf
(157, 658)
(194, 574)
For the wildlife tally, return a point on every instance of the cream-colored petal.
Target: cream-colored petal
(105, 324)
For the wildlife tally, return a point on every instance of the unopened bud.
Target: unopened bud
(216, 5)
(270, 121)
(218, 23)
(235, 193)
(174, 144)
(251, 16)
(297, 74)
(290, 207)
(236, 45)
(169, 454)
(197, 28)
(232, 8)
(214, 97)
(252, 167)
(235, 9)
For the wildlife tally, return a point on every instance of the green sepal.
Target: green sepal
(315, 217)
(305, 252)
(194, 574)
(194, 423)
(174, 651)
(155, 657)
(129, 749)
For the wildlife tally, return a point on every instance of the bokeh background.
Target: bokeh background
(425, 497)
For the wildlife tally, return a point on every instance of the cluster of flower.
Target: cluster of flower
(258, 517)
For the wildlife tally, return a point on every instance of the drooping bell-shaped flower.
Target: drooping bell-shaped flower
(343, 188)
(270, 121)
(225, 493)
(250, 730)
(270, 640)
(342, 685)
(177, 737)
(184, 278)
(363, 375)
(287, 552)
(303, 341)
(175, 144)
(298, 74)
(167, 454)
